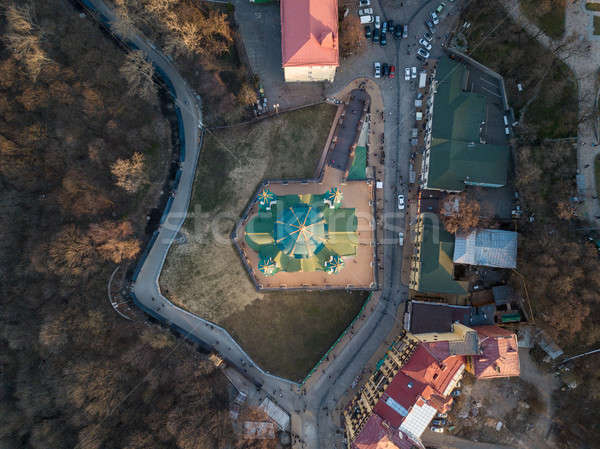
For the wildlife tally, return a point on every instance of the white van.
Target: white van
(366, 19)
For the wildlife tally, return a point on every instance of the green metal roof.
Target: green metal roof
(457, 156)
(454, 164)
(302, 233)
(436, 267)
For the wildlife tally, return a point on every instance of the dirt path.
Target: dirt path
(546, 383)
(581, 52)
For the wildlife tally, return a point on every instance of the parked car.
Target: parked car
(436, 20)
(368, 32)
(366, 19)
(384, 27)
(364, 3)
(428, 37)
(433, 15)
(405, 31)
(398, 31)
(365, 12)
(440, 8)
(375, 35)
(401, 238)
(377, 22)
(391, 26)
(430, 25)
(384, 69)
(392, 71)
(400, 202)
(421, 58)
(407, 74)
(383, 40)
(419, 96)
(422, 52)
(377, 67)
(414, 73)
(455, 393)
(442, 415)
(437, 429)
(439, 422)
(425, 43)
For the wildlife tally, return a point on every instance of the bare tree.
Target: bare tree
(130, 173)
(459, 213)
(23, 38)
(114, 241)
(139, 73)
(123, 25)
(247, 95)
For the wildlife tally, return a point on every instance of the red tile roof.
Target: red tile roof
(405, 392)
(499, 353)
(423, 367)
(309, 32)
(376, 435)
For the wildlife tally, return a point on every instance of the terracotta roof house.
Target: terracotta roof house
(309, 40)
(441, 375)
(377, 435)
(499, 354)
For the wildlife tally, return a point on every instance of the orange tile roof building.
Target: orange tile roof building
(499, 354)
(309, 39)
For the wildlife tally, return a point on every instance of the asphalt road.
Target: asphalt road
(313, 410)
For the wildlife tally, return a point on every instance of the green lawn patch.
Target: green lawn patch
(592, 6)
(287, 332)
(550, 19)
(358, 170)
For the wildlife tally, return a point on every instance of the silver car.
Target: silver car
(425, 43)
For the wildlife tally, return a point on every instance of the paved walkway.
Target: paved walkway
(582, 55)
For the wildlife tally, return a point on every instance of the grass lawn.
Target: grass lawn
(597, 25)
(551, 19)
(552, 105)
(592, 6)
(285, 332)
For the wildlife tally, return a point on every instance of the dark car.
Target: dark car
(375, 35)
(439, 422)
(430, 26)
(368, 32)
(420, 58)
(398, 31)
(385, 70)
(391, 26)
(383, 39)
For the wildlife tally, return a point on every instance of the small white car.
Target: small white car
(400, 202)
(377, 67)
(377, 22)
(414, 73)
(422, 52)
(407, 74)
(364, 3)
(425, 43)
(365, 12)
(436, 21)
(437, 429)
(366, 19)
(401, 238)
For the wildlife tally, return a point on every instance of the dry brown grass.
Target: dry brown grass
(285, 332)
